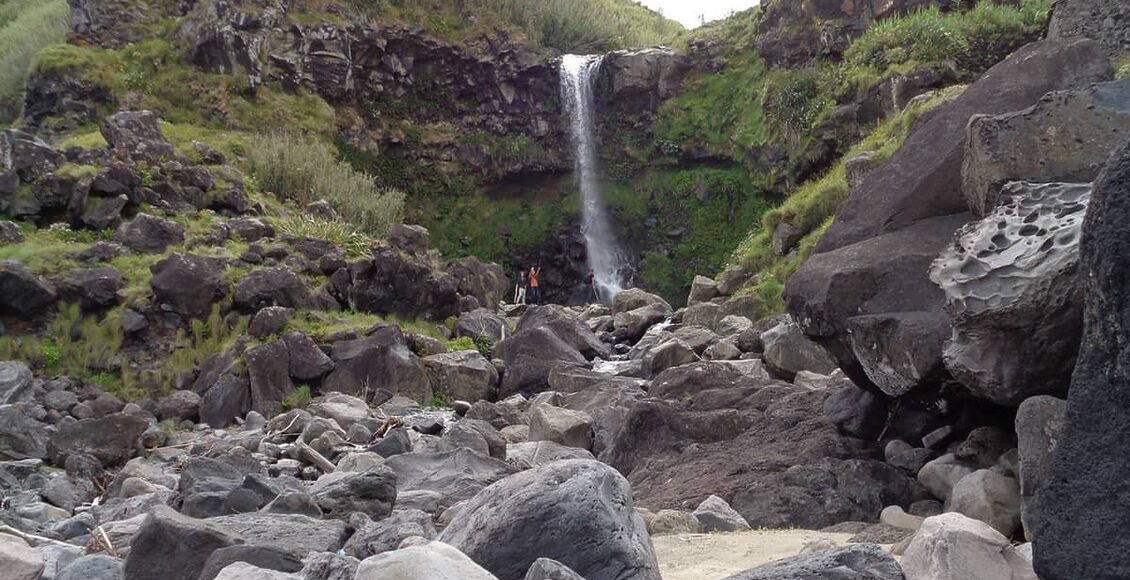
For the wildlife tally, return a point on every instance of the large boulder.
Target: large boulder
(1039, 426)
(92, 288)
(112, 439)
(1078, 532)
(990, 497)
(564, 426)
(788, 351)
(888, 335)
(276, 286)
(293, 533)
(578, 512)
(922, 179)
(529, 355)
(136, 132)
(1101, 20)
(462, 376)
(26, 155)
(149, 235)
(21, 436)
(1088, 124)
(378, 537)
(393, 282)
(855, 562)
(381, 360)
(371, 492)
(1014, 294)
(268, 367)
(864, 294)
(455, 475)
(486, 282)
(567, 326)
(22, 293)
(430, 561)
(482, 322)
(169, 546)
(15, 381)
(954, 547)
(188, 283)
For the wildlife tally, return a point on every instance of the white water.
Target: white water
(611, 267)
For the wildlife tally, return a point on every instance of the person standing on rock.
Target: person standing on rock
(520, 288)
(535, 286)
(590, 281)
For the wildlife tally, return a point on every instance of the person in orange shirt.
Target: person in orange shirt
(535, 286)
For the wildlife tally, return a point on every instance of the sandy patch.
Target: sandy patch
(715, 556)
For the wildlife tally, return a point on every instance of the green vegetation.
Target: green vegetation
(299, 399)
(810, 208)
(699, 216)
(479, 343)
(340, 233)
(304, 170)
(1122, 66)
(26, 26)
(972, 39)
(577, 26)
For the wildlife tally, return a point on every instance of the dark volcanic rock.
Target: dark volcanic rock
(855, 561)
(112, 438)
(529, 355)
(92, 288)
(187, 282)
(922, 179)
(486, 282)
(371, 492)
(1101, 20)
(1079, 531)
(379, 361)
(136, 132)
(169, 546)
(22, 293)
(393, 282)
(270, 287)
(578, 512)
(149, 234)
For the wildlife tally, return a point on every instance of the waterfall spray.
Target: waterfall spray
(611, 267)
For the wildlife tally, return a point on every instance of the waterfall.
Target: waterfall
(611, 267)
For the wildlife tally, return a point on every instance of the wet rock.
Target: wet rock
(558, 501)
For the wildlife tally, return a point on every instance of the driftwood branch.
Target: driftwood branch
(313, 456)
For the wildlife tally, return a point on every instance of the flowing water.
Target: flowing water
(611, 266)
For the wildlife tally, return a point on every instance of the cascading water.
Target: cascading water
(611, 267)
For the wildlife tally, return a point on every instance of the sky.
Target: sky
(688, 11)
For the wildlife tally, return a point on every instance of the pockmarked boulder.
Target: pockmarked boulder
(1078, 533)
(577, 512)
(170, 546)
(112, 439)
(1013, 293)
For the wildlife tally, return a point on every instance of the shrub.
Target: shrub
(26, 27)
(298, 399)
(305, 170)
(461, 343)
(793, 100)
(340, 233)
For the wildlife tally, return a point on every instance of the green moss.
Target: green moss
(1122, 66)
(26, 26)
(298, 399)
(77, 171)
